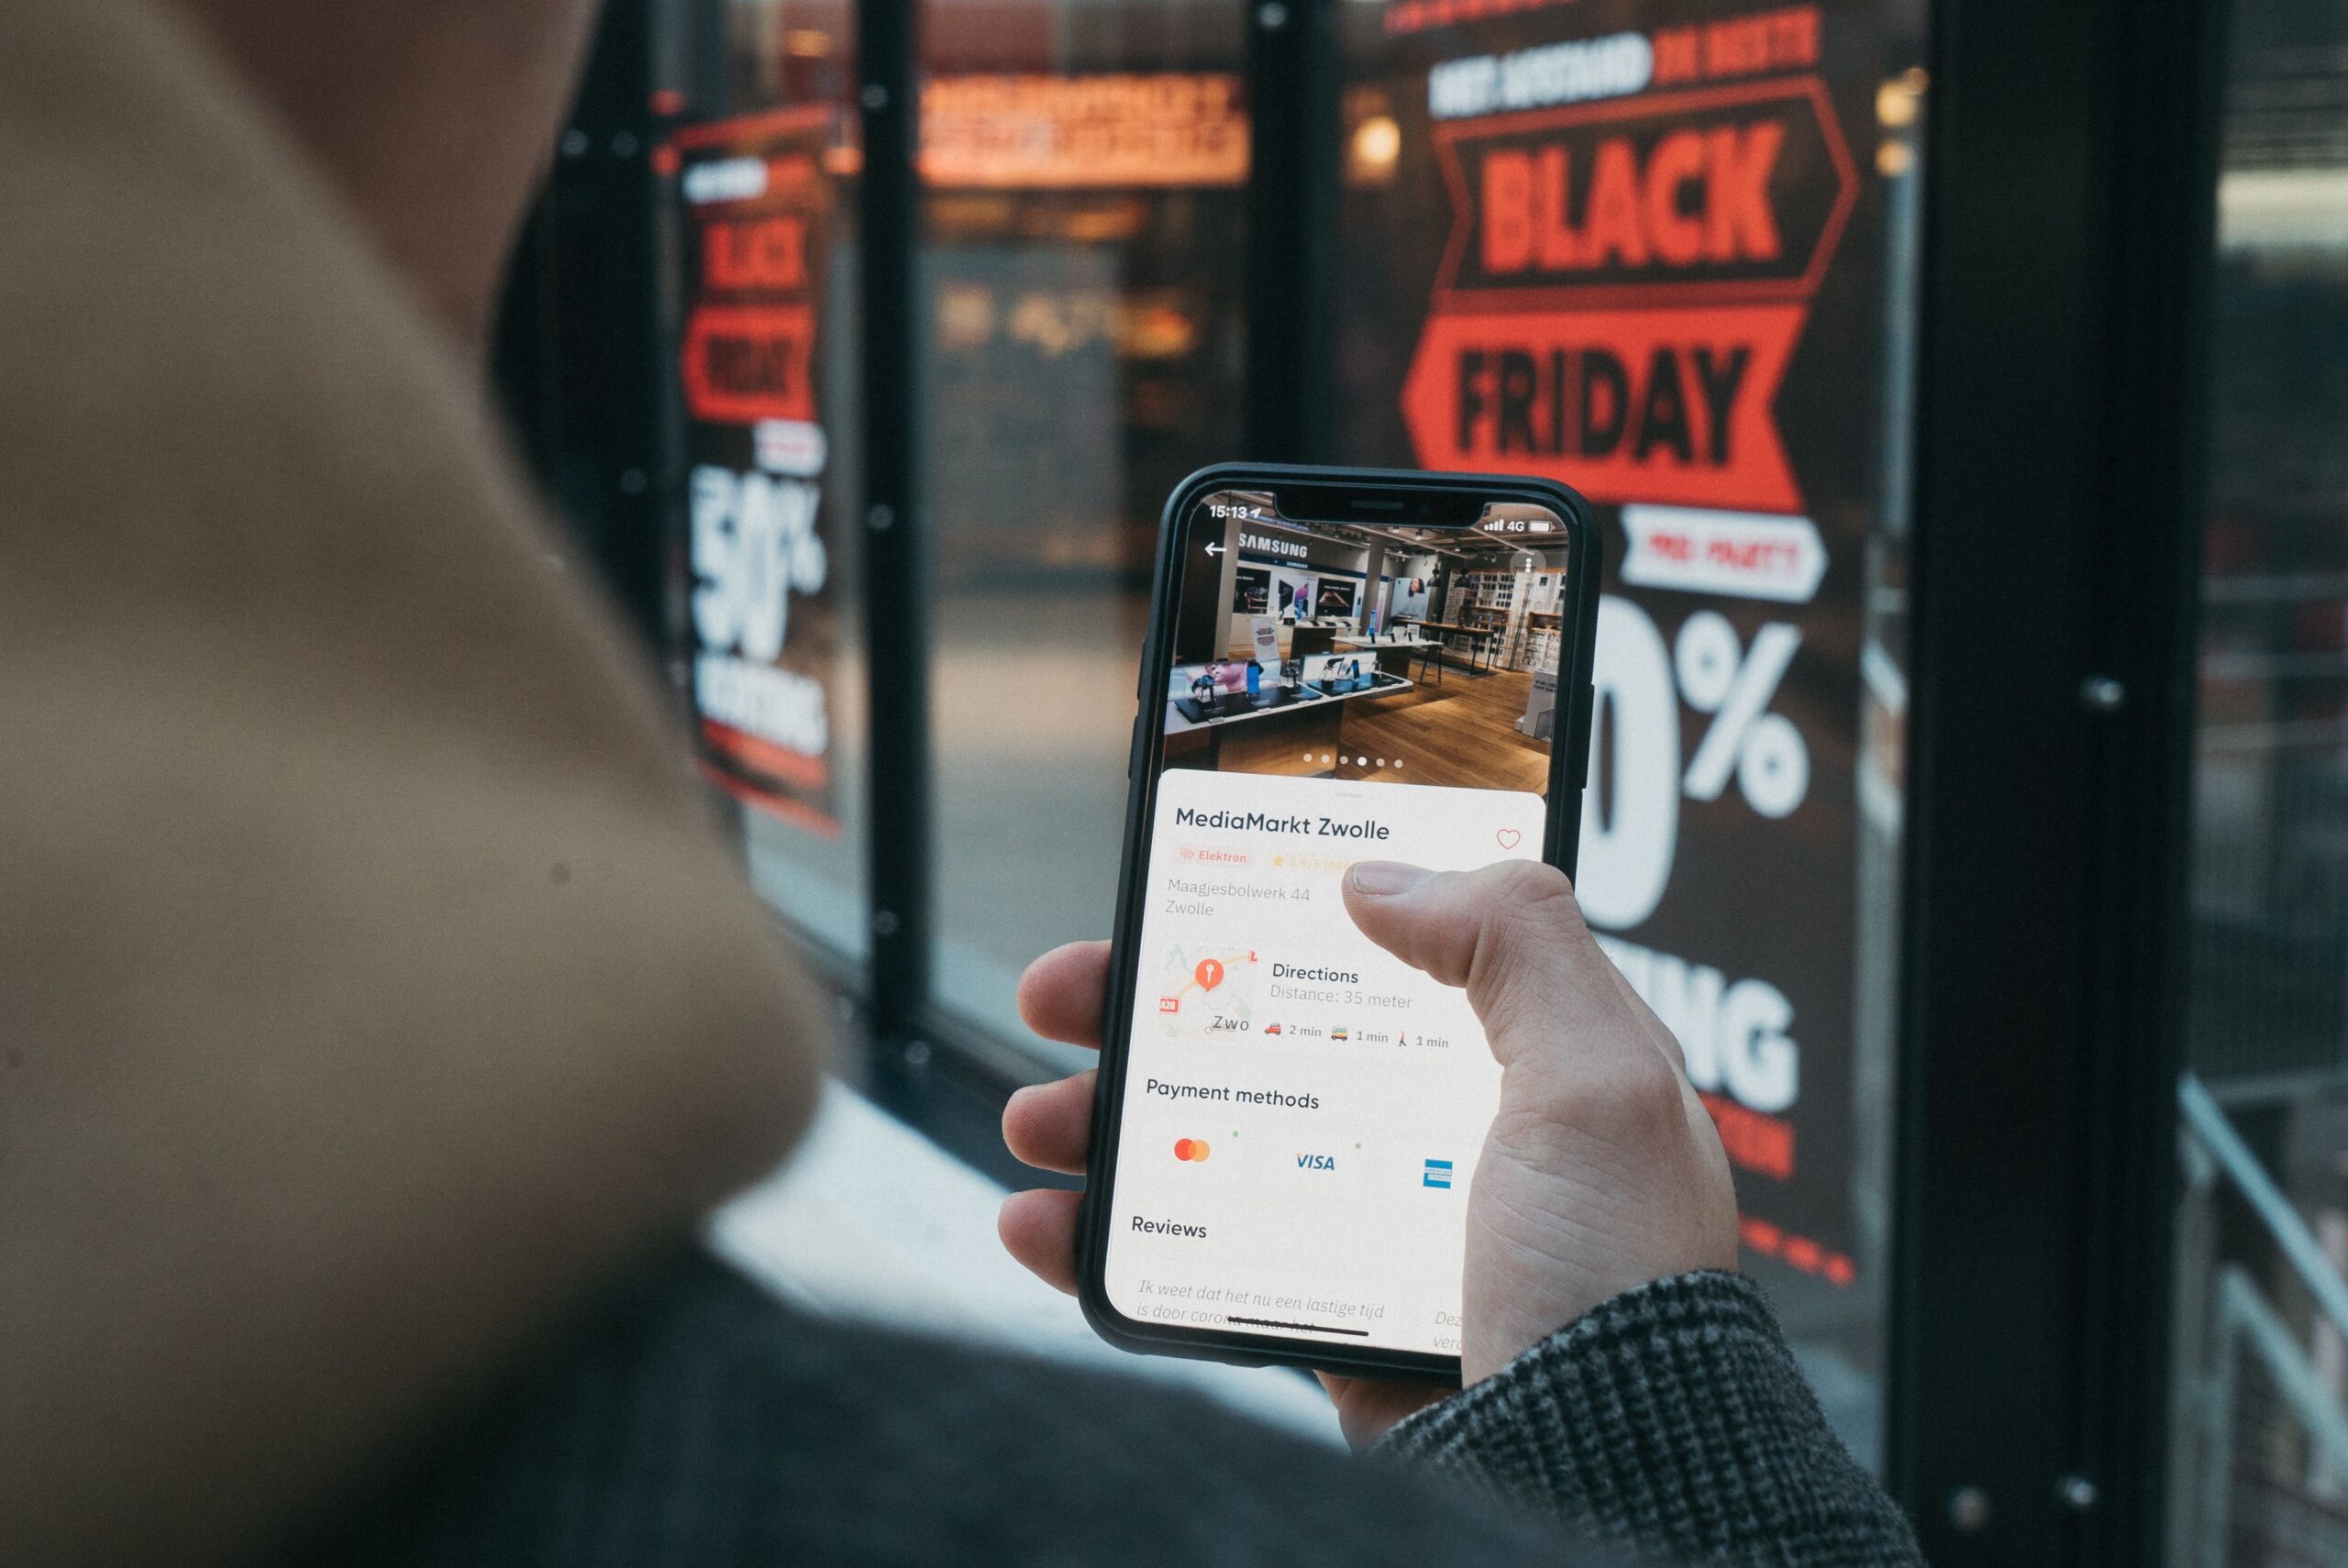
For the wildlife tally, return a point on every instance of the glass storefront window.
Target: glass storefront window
(1665, 253)
(1084, 175)
(2261, 1434)
(1664, 250)
(765, 611)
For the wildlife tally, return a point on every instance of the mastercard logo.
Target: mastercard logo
(1191, 1149)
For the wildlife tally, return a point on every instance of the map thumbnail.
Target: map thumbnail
(1206, 991)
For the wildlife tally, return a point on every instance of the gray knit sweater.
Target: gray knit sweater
(692, 1423)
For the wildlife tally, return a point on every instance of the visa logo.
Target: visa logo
(1316, 1162)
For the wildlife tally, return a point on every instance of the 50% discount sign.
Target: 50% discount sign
(1638, 777)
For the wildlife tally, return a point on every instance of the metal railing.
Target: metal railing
(2223, 1304)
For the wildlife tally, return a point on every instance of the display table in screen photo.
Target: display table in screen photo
(1354, 715)
(1394, 651)
(1225, 689)
(1346, 675)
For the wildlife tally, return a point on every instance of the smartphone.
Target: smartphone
(1288, 1119)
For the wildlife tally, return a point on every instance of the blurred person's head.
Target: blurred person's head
(432, 118)
(375, 986)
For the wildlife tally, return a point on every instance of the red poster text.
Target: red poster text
(1740, 45)
(745, 363)
(1660, 405)
(768, 252)
(1762, 1144)
(1695, 196)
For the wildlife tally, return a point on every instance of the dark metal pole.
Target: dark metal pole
(2162, 312)
(2067, 186)
(1292, 70)
(896, 602)
(578, 353)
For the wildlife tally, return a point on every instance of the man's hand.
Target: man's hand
(1601, 1172)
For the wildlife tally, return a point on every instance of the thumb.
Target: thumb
(1511, 934)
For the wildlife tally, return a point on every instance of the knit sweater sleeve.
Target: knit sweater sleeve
(1673, 1418)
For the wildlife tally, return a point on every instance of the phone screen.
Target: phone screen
(1302, 1113)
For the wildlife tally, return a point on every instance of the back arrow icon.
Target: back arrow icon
(1214, 550)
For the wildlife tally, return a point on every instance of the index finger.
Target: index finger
(1062, 993)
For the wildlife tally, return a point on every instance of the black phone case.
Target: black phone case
(1569, 758)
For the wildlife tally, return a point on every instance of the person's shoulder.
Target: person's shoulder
(695, 1415)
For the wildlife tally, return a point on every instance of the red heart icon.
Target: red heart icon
(1508, 837)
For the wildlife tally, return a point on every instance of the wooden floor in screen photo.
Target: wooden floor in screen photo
(1461, 733)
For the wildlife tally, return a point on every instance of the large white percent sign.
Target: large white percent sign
(1630, 825)
(1734, 685)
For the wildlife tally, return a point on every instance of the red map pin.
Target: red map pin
(1209, 974)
